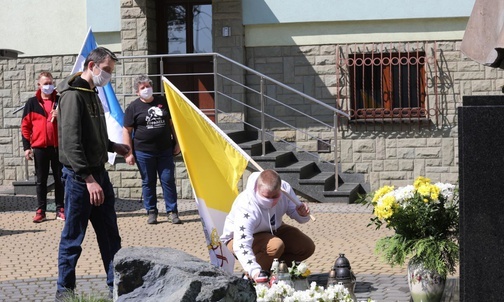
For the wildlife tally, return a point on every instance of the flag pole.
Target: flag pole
(223, 135)
(56, 108)
(296, 202)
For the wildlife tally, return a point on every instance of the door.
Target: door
(186, 27)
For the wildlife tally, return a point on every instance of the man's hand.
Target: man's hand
(303, 210)
(255, 274)
(121, 149)
(176, 150)
(130, 159)
(28, 154)
(96, 195)
(54, 115)
(261, 277)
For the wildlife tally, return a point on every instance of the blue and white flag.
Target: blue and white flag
(113, 111)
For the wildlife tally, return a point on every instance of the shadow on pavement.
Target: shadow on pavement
(128, 205)
(16, 232)
(9, 203)
(364, 287)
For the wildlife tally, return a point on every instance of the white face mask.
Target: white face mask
(47, 89)
(146, 93)
(266, 203)
(102, 78)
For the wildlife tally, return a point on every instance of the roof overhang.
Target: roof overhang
(9, 53)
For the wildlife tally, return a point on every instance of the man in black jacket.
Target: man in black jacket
(84, 145)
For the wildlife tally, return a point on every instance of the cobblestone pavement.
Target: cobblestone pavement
(28, 251)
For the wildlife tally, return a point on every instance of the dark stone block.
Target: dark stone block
(481, 172)
(29, 187)
(165, 274)
(26, 187)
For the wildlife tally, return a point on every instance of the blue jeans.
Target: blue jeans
(78, 211)
(150, 165)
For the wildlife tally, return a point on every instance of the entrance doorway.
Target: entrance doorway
(186, 27)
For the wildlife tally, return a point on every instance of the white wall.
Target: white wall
(317, 33)
(294, 11)
(301, 22)
(104, 15)
(53, 27)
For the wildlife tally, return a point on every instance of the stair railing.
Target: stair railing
(238, 90)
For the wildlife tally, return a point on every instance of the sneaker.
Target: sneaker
(60, 214)
(152, 216)
(39, 216)
(64, 295)
(173, 217)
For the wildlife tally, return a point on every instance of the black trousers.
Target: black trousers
(45, 158)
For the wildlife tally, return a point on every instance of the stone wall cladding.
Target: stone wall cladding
(17, 84)
(392, 153)
(386, 154)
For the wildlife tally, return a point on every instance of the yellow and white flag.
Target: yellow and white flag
(214, 164)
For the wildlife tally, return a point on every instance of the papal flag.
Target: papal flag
(214, 164)
(113, 112)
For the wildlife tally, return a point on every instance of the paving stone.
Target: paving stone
(28, 261)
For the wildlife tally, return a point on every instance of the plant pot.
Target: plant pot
(425, 285)
(300, 284)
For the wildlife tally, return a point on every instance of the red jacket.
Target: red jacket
(34, 123)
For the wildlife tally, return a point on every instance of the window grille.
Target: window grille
(392, 82)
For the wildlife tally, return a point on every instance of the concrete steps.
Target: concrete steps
(312, 180)
(28, 187)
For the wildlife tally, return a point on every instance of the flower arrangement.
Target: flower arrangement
(299, 270)
(425, 218)
(281, 291)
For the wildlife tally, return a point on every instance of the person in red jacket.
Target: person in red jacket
(40, 142)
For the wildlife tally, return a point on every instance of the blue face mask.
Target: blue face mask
(47, 89)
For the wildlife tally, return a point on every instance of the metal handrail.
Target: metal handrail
(284, 86)
(220, 96)
(244, 67)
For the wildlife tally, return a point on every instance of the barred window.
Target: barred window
(387, 86)
(385, 82)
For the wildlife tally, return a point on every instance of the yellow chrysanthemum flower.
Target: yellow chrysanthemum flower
(421, 181)
(428, 190)
(382, 191)
(384, 209)
(434, 192)
(306, 273)
(424, 190)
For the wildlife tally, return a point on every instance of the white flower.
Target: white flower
(302, 267)
(334, 293)
(445, 190)
(404, 193)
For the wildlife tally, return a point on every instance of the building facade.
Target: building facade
(396, 70)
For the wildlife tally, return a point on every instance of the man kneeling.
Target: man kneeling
(254, 230)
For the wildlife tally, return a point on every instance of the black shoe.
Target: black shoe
(173, 217)
(64, 295)
(152, 216)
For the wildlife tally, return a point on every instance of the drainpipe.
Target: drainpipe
(263, 138)
(336, 158)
